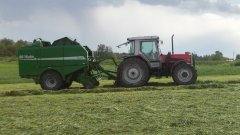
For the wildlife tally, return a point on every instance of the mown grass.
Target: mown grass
(208, 107)
(108, 86)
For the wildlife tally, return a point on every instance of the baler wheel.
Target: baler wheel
(132, 72)
(51, 80)
(184, 74)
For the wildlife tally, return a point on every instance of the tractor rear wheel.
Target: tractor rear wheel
(51, 80)
(132, 72)
(184, 74)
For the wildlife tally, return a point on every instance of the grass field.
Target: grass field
(211, 106)
(9, 73)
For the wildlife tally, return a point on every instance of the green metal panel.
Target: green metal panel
(75, 58)
(51, 56)
(28, 63)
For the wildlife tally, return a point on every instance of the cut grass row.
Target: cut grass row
(107, 84)
(208, 107)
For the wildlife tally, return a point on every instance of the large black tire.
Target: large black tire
(51, 80)
(132, 72)
(184, 74)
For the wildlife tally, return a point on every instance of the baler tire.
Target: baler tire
(51, 80)
(132, 72)
(184, 74)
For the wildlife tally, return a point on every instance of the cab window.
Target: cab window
(149, 49)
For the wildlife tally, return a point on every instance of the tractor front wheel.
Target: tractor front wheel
(132, 72)
(51, 81)
(184, 74)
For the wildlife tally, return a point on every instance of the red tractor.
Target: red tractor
(145, 60)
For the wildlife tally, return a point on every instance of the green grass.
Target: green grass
(217, 68)
(211, 106)
(9, 73)
(208, 107)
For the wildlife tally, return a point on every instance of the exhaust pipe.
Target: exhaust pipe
(172, 44)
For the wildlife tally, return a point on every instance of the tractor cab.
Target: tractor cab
(147, 48)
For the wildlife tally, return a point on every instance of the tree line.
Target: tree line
(8, 48)
(217, 56)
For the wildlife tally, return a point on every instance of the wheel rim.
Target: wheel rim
(51, 82)
(185, 75)
(132, 75)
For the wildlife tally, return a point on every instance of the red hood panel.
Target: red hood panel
(185, 57)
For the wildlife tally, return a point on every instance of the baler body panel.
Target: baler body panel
(28, 63)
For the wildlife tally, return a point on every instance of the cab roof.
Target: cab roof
(144, 38)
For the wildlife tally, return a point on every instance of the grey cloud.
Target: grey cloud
(21, 9)
(198, 6)
(162, 2)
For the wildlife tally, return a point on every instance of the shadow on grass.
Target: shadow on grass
(151, 86)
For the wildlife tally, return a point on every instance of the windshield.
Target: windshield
(149, 49)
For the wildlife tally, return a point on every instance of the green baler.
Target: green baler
(55, 66)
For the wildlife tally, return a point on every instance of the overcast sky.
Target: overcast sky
(200, 26)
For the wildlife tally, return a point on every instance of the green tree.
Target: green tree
(9, 48)
(238, 57)
(217, 56)
(104, 52)
(6, 47)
